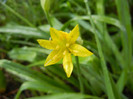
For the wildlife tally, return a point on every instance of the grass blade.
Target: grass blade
(30, 75)
(39, 86)
(67, 96)
(103, 63)
(23, 30)
(126, 36)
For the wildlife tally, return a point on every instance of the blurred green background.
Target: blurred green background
(106, 30)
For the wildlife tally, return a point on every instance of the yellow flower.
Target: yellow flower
(63, 45)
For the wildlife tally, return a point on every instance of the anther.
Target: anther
(67, 45)
(64, 52)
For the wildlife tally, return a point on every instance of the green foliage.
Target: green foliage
(106, 74)
(66, 96)
(2, 82)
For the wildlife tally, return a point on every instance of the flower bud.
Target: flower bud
(46, 4)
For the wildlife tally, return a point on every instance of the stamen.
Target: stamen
(57, 47)
(64, 52)
(67, 44)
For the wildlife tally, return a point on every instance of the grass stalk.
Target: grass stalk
(103, 63)
(48, 18)
(79, 75)
(126, 37)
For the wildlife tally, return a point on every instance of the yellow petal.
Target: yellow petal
(79, 50)
(56, 35)
(46, 44)
(67, 64)
(74, 34)
(54, 57)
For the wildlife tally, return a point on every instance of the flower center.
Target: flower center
(67, 44)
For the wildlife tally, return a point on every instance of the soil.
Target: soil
(12, 88)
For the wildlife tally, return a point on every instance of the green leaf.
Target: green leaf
(62, 74)
(56, 23)
(2, 82)
(37, 79)
(24, 31)
(39, 86)
(108, 85)
(100, 18)
(22, 54)
(31, 75)
(126, 37)
(66, 96)
(17, 14)
(95, 79)
(27, 53)
(88, 27)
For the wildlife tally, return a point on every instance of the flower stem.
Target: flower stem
(48, 18)
(79, 75)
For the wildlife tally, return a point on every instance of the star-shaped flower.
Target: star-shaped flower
(63, 45)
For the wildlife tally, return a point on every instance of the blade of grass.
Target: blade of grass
(23, 30)
(116, 52)
(125, 19)
(31, 75)
(56, 70)
(108, 85)
(126, 36)
(100, 18)
(24, 43)
(39, 86)
(66, 96)
(95, 79)
(17, 14)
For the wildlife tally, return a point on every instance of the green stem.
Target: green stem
(103, 63)
(48, 18)
(79, 75)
